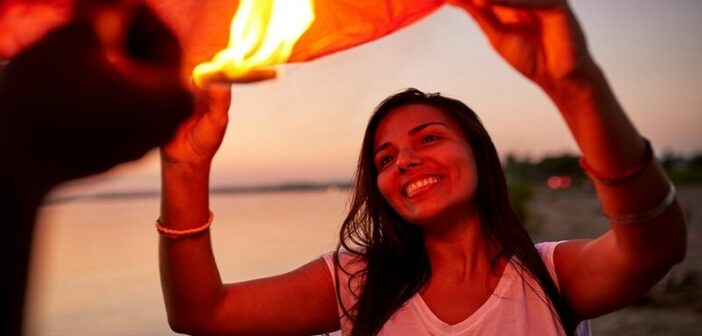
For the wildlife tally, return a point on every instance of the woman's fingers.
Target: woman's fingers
(496, 21)
(509, 3)
(486, 19)
(217, 98)
(201, 136)
(534, 4)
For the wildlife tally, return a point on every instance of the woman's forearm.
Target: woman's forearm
(190, 279)
(610, 144)
(606, 137)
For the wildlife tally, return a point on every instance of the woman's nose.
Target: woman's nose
(407, 160)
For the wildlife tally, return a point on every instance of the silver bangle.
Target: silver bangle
(648, 215)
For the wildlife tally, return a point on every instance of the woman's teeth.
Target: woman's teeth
(415, 186)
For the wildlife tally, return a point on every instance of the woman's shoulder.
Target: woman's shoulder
(347, 261)
(346, 269)
(546, 251)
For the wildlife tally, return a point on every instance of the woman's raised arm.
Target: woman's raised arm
(543, 40)
(197, 302)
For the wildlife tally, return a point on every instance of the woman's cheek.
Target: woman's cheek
(385, 185)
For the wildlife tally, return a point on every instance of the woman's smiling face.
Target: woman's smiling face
(426, 168)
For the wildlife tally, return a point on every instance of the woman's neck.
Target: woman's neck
(461, 248)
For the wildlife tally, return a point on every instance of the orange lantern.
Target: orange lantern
(249, 45)
(265, 33)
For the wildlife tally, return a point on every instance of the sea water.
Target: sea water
(95, 262)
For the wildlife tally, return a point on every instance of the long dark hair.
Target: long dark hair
(396, 261)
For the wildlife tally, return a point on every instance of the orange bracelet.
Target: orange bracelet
(613, 179)
(187, 233)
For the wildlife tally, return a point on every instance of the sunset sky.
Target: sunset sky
(307, 125)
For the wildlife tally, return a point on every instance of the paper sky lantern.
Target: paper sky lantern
(313, 28)
(265, 33)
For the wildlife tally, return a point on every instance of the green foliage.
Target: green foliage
(683, 170)
(520, 193)
(539, 172)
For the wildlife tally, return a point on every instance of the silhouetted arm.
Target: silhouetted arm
(67, 111)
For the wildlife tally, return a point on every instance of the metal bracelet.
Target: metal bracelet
(648, 215)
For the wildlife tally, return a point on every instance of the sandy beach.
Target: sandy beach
(674, 305)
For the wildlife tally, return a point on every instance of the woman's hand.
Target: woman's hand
(539, 38)
(196, 140)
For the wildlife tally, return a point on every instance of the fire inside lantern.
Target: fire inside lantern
(262, 35)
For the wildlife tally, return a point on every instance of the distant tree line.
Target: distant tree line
(527, 170)
(683, 170)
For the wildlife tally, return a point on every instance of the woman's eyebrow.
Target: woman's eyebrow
(381, 148)
(413, 131)
(416, 129)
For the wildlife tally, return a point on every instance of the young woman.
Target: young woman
(431, 244)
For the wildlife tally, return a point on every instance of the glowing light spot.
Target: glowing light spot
(262, 35)
(559, 182)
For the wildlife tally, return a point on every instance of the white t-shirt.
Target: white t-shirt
(514, 309)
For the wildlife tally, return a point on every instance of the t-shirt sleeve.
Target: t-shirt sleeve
(346, 282)
(329, 260)
(546, 250)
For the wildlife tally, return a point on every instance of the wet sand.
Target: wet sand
(674, 305)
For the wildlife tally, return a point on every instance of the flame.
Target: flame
(262, 35)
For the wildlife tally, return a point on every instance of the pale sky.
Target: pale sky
(307, 125)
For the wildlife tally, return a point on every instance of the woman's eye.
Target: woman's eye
(385, 160)
(429, 138)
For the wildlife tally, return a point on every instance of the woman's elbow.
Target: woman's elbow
(678, 252)
(182, 326)
(189, 328)
(673, 243)
(188, 323)
(678, 240)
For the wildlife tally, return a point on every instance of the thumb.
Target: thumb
(215, 99)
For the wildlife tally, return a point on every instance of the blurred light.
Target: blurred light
(559, 182)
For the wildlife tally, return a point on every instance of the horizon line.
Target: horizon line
(216, 190)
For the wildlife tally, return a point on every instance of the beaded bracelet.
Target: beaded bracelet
(187, 233)
(647, 215)
(613, 179)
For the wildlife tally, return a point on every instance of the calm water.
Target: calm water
(95, 266)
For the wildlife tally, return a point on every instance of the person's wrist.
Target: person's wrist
(186, 167)
(580, 84)
(192, 161)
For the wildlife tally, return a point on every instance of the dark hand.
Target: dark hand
(86, 97)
